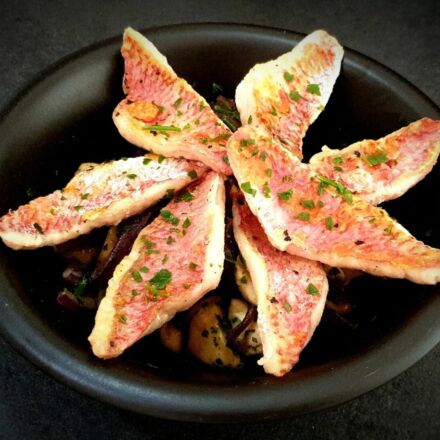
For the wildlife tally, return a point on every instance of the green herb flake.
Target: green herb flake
(254, 152)
(308, 204)
(285, 195)
(226, 160)
(136, 276)
(146, 161)
(161, 158)
(320, 204)
(288, 77)
(247, 142)
(375, 159)
(243, 279)
(161, 279)
(249, 121)
(329, 224)
(388, 231)
(161, 128)
(165, 259)
(81, 287)
(38, 228)
(372, 220)
(186, 285)
(169, 217)
(338, 168)
(267, 192)
(338, 160)
(149, 245)
(132, 176)
(341, 190)
(179, 113)
(314, 89)
(186, 223)
(294, 96)
(263, 156)
(177, 102)
(170, 240)
(144, 269)
(269, 172)
(312, 290)
(193, 266)
(202, 105)
(85, 196)
(185, 197)
(287, 178)
(134, 292)
(287, 306)
(123, 319)
(192, 174)
(170, 193)
(273, 111)
(78, 207)
(304, 216)
(247, 188)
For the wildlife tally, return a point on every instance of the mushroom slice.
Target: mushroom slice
(314, 217)
(101, 195)
(287, 94)
(384, 169)
(291, 292)
(162, 112)
(175, 260)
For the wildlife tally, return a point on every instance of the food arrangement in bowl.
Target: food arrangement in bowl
(222, 240)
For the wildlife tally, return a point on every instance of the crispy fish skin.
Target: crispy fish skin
(186, 247)
(156, 96)
(310, 216)
(384, 169)
(291, 292)
(98, 195)
(287, 94)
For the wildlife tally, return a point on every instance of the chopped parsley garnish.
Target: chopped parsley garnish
(146, 161)
(202, 105)
(165, 259)
(78, 207)
(267, 192)
(186, 285)
(144, 269)
(136, 276)
(338, 160)
(304, 216)
(217, 88)
(226, 160)
(169, 217)
(273, 111)
(170, 193)
(134, 292)
(388, 231)
(247, 142)
(38, 228)
(249, 121)
(193, 174)
(308, 204)
(314, 89)
(287, 306)
(161, 279)
(288, 77)
(221, 136)
(161, 128)
(193, 266)
(344, 192)
(161, 158)
(123, 319)
(269, 172)
(185, 196)
(312, 290)
(177, 102)
(150, 246)
(263, 156)
(376, 159)
(329, 224)
(287, 178)
(243, 279)
(186, 223)
(85, 196)
(247, 188)
(132, 176)
(179, 113)
(285, 195)
(294, 96)
(254, 152)
(338, 168)
(320, 203)
(170, 240)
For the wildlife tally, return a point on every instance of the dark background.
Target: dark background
(402, 35)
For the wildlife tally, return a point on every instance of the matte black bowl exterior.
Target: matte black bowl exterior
(64, 118)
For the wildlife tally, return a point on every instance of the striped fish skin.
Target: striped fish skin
(305, 215)
(287, 94)
(291, 292)
(185, 249)
(156, 96)
(384, 169)
(98, 195)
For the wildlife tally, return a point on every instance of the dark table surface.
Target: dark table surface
(34, 34)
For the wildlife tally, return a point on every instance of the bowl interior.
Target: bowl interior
(64, 119)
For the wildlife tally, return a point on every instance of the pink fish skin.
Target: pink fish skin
(291, 292)
(311, 216)
(174, 261)
(384, 169)
(163, 113)
(98, 195)
(286, 95)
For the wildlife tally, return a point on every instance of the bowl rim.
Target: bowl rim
(213, 403)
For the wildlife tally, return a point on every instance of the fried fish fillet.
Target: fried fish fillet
(312, 216)
(163, 113)
(290, 292)
(97, 195)
(174, 261)
(287, 94)
(384, 169)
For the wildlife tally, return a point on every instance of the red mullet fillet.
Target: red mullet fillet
(163, 113)
(174, 261)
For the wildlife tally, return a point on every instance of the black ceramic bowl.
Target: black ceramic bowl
(64, 118)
